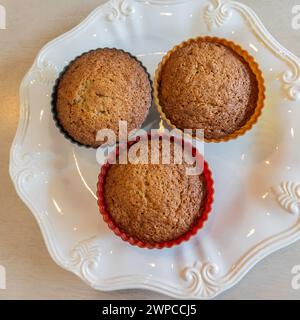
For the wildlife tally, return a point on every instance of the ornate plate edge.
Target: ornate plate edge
(200, 280)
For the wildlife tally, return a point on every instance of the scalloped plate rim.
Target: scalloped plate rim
(159, 286)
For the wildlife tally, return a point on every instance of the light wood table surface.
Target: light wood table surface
(31, 273)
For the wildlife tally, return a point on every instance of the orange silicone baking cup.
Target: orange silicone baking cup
(252, 64)
(205, 208)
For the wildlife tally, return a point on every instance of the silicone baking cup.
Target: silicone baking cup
(205, 209)
(248, 59)
(54, 96)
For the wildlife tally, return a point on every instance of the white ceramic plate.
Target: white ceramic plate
(257, 177)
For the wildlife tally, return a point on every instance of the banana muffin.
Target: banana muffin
(205, 84)
(154, 203)
(97, 90)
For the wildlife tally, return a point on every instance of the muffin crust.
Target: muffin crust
(100, 88)
(206, 85)
(154, 202)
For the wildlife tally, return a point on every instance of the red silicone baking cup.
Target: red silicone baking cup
(206, 207)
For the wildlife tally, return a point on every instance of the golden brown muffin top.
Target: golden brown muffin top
(154, 202)
(100, 88)
(206, 85)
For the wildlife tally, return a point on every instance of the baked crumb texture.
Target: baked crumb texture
(207, 85)
(100, 88)
(154, 202)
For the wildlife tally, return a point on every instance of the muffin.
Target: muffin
(210, 84)
(97, 90)
(154, 205)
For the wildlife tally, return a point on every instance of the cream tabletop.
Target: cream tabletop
(31, 273)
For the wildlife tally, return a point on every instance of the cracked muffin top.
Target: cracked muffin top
(100, 88)
(207, 85)
(154, 202)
